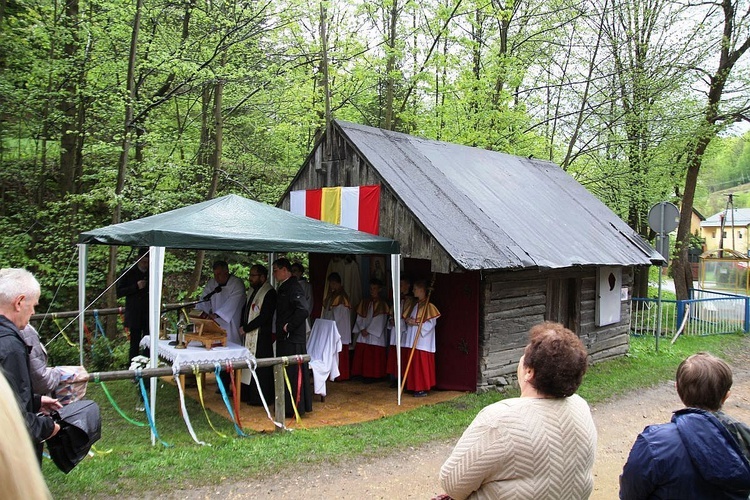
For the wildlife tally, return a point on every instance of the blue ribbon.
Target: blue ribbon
(99, 329)
(148, 407)
(224, 396)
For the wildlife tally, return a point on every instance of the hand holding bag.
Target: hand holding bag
(80, 427)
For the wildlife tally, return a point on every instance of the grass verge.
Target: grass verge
(127, 465)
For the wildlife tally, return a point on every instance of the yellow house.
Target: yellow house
(735, 233)
(695, 222)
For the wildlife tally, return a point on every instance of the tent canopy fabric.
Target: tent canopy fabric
(234, 223)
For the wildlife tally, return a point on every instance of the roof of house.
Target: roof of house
(491, 210)
(739, 216)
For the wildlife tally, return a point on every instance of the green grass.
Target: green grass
(134, 467)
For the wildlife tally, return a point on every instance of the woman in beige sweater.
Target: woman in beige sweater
(540, 445)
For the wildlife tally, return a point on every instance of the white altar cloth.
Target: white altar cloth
(195, 353)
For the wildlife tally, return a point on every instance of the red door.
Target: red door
(456, 295)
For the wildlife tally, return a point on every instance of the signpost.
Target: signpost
(663, 218)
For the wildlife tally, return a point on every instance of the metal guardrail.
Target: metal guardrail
(706, 313)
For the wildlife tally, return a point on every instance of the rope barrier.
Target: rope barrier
(56, 321)
(235, 396)
(99, 332)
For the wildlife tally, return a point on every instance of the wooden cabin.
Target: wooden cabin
(508, 242)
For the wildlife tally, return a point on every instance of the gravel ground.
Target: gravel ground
(413, 473)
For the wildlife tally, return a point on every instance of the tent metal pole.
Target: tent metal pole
(396, 279)
(155, 274)
(271, 258)
(82, 265)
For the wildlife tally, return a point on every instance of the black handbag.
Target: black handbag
(80, 427)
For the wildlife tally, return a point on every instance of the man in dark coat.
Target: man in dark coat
(702, 452)
(19, 295)
(291, 337)
(134, 287)
(257, 326)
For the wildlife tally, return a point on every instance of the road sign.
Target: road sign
(664, 217)
(662, 246)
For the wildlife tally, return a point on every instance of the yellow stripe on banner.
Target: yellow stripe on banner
(330, 205)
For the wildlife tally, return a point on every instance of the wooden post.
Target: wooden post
(279, 405)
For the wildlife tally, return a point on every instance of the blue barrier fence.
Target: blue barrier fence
(707, 312)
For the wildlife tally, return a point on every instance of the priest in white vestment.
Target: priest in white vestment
(223, 298)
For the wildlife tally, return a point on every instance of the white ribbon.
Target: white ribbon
(176, 373)
(252, 364)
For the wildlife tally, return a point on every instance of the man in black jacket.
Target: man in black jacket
(291, 337)
(134, 287)
(19, 295)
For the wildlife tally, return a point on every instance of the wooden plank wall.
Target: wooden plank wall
(396, 221)
(514, 301)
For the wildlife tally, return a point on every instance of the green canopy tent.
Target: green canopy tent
(230, 223)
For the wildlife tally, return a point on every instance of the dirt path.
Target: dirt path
(413, 473)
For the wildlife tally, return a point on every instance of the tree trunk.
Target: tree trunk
(122, 168)
(67, 106)
(327, 150)
(204, 160)
(390, 64)
(213, 126)
(707, 130)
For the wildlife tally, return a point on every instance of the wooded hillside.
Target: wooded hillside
(111, 111)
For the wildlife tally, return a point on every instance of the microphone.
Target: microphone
(211, 294)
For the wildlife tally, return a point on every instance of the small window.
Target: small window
(724, 234)
(713, 234)
(739, 235)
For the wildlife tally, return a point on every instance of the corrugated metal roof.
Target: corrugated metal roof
(740, 216)
(492, 210)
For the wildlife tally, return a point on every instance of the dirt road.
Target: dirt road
(413, 473)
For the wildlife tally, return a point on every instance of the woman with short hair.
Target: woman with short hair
(540, 445)
(702, 452)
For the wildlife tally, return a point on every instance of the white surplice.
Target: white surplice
(226, 305)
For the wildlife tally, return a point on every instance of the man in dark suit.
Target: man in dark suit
(291, 338)
(134, 287)
(256, 333)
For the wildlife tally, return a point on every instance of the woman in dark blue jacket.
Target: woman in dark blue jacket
(702, 452)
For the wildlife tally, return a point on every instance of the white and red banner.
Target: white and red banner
(353, 207)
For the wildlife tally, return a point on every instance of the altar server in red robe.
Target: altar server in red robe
(372, 320)
(336, 307)
(421, 376)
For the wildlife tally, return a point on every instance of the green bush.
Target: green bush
(61, 353)
(108, 355)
